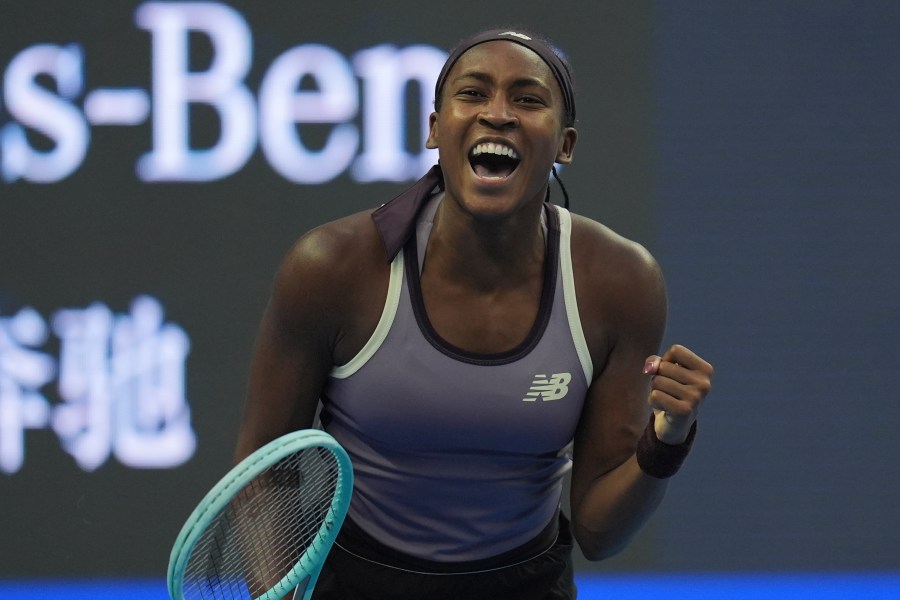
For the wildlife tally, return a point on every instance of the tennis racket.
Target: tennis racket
(266, 527)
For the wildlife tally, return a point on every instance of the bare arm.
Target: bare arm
(624, 316)
(321, 310)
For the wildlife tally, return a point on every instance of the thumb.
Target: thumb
(651, 365)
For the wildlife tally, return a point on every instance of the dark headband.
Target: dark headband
(548, 55)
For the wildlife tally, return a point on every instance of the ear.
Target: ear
(567, 146)
(432, 141)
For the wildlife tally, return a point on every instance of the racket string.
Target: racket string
(265, 530)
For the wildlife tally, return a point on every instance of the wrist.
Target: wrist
(659, 459)
(668, 431)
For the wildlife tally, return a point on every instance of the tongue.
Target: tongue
(492, 169)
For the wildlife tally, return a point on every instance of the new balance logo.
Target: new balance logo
(550, 388)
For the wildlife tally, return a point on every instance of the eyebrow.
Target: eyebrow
(521, 82)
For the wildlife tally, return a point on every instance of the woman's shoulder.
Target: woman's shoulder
(335, 266)
(599, 249)
(617, 279)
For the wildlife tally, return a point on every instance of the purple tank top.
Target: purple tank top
(460, 456)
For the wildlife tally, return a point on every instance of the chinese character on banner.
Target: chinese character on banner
(152, 416)
(23, 371)
(121, 379)
(83, 421)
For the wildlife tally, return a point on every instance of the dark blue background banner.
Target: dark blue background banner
(778, 212)
(753, 147)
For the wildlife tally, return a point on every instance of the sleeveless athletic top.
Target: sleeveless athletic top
(460, 456)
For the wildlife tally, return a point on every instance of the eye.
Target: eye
(470, 93)
(531, 100)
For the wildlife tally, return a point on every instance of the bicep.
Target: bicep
(632, 314)
(285, 381)
(614, 415)
(290, 364)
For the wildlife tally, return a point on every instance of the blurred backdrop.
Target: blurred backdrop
(158, 158)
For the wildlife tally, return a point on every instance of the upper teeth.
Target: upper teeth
(498, 149)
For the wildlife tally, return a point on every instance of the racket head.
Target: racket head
(236, 497)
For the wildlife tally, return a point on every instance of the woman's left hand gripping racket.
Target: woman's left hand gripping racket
(267, 526)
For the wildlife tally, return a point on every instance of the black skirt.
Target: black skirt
(357, 570)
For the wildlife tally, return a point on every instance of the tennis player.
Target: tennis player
(469, 344)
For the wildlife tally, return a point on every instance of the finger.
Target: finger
(689, 393)
(683, 356)
(651, 365)
(673, 407)
(685, 384)
(681, 374)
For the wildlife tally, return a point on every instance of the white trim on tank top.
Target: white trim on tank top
(396, 284)
(568, 275)
(391, 303)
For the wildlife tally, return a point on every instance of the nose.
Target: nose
(498, 114)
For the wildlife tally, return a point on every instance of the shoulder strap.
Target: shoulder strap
(396, 219)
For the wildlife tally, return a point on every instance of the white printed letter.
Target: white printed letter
(175, 88)
(386, 71)
(282, 108)
(36, 107)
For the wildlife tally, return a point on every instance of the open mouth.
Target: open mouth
(493, 161)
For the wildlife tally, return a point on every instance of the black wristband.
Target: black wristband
(658, 459)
